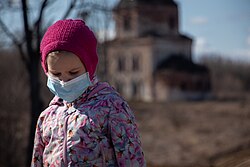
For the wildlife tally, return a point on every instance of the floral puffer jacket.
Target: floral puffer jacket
(98, 129)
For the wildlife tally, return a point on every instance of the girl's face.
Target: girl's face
(64, 65)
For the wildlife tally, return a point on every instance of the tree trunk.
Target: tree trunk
(36, 104)
(32, 67)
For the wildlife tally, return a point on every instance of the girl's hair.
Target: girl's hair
(53, 53)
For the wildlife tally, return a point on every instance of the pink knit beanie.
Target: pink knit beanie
(72, 36)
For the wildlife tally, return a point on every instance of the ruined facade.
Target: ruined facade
(147, 34)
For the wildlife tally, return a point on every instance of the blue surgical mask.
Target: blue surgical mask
(71, 90)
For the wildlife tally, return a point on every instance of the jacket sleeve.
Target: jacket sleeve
(37, 156)
(125, 136)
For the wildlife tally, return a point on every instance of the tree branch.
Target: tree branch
(15, 41)
(32, 57)
(68, 11)
(95, 6)
(38, 24)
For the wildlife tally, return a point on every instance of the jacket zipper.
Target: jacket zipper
(102, 86)
(69, 111)
(65, 141)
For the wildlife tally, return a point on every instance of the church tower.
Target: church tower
(147, 33)
(137, 18)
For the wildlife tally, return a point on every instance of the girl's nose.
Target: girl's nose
(65, 78)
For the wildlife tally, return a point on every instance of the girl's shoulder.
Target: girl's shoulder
(104, 92)
(112, 95)
(103, 89)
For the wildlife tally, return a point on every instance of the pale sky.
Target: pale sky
(220, 27)
(217, 26)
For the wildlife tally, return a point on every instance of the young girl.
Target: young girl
(87, 123)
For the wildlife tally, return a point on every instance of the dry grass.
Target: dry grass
(194, 134)
(174, 134)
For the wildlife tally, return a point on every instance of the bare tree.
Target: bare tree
(28, 44)
(28, 48)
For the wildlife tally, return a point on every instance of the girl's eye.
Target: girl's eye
(73, 72)
(56, 74)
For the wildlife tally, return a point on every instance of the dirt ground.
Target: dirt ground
(195, 134)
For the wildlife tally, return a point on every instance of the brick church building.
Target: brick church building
(149, 59)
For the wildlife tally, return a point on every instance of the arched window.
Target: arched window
(119, 87)
(171, 23)
(135, 63)
(135, 89)
(127, 23)
(121, 64)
